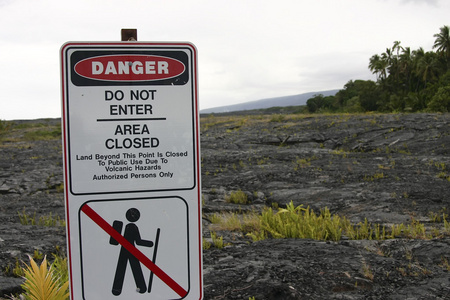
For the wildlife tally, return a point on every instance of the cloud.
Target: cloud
(247, 50)
(5, 2)
(428, 2)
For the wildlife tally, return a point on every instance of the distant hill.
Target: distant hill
(294, 100)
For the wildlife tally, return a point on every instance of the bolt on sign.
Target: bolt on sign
(131, 170)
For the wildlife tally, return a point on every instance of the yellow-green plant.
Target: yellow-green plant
(417, 230)
(37, 255)
(445, 263)
(438, 217)
(206, 244)
(250, 222)
(247, 222)
(301, 163)
(61, 268)
(217, 241)
(215, 218)
(237, 197)
(60, 188)
(26, 219)
(18, 270)
(299, 222)
(374, 176)
(47, 221)
(367, 271)
(42, 282)
(277, 118)
(446, 225)
(397, 230)
(231, 221)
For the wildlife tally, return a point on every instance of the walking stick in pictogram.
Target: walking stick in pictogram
(154, 259)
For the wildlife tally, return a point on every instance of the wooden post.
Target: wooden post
(129, 35)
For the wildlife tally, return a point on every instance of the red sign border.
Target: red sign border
(197, 135)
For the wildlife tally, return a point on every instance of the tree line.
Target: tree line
(406, 81)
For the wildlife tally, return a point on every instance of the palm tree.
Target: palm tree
(442, 43)
(377, 66)
(395, 68)
(417, 56)
(374, 64)
(428, 67)
(406, 59)
(388, 56)
(406, 66)
(397, 47)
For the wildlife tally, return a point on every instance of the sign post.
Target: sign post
(132, 170)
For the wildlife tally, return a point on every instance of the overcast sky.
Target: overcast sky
(248, 49)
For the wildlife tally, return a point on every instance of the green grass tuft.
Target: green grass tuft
(46, 221)
(237, 197)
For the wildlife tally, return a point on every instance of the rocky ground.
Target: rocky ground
(388, 169)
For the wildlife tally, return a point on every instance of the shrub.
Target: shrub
(217, 240)
(277, 118)
(237, 197)
(44, 283)
(299, 222)
(441, 100)
(206, 244)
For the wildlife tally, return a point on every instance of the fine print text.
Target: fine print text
(138, 153)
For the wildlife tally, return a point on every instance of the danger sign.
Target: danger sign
(131, 168)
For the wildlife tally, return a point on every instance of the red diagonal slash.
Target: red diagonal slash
(133, 250)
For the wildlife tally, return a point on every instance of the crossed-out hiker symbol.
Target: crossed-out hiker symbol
(132, 235)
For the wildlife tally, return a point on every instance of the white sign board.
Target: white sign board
(132, 170)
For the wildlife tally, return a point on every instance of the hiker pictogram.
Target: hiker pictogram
(132, 235)
(138, 250)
